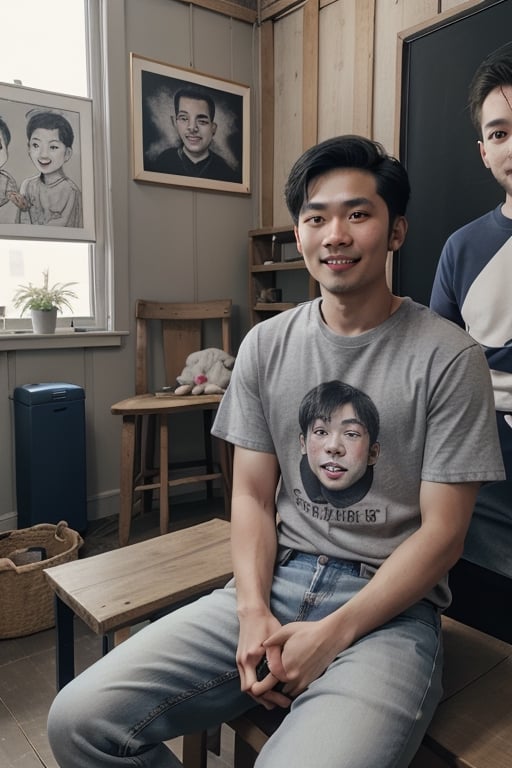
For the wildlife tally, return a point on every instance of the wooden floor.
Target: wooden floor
(27, 664)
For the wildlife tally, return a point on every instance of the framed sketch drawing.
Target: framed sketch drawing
(189, 129)
(46, 165)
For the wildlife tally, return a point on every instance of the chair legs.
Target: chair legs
(249, 739)
(164, 473)
(208, 453)
(146, 452)
(195, 750)
(128, 439)
(133, 441)
(128, 447)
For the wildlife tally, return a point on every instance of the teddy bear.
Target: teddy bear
(206, 372)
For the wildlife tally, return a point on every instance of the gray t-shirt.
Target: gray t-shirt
(426, 382)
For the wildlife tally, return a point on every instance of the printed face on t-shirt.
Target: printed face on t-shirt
(338, 448)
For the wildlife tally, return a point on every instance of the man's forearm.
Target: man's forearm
(415, 567)
(404, 579)
(254, 547)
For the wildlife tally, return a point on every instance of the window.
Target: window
(56, 46)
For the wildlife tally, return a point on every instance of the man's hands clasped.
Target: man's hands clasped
(277, 669)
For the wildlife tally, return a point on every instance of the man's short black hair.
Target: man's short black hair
(349, 152)
(495, 71)
(321, 401)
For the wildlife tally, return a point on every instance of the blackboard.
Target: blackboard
(438, 144)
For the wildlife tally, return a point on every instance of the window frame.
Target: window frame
(99, 327)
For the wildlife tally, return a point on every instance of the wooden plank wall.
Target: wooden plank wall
(329, 67)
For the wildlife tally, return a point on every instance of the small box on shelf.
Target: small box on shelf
(269, 296)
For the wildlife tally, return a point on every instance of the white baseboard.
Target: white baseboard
(99, 506)
(8, 521)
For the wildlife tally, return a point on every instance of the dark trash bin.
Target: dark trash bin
(49, 423)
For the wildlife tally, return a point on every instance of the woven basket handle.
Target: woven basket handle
(58, 531)
(7, 564)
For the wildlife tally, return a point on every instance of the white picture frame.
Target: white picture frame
(63, 209)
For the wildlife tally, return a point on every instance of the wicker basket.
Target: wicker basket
(26, 599)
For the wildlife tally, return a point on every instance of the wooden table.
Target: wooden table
(120, 588)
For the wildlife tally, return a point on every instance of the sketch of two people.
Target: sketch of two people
(50, 197)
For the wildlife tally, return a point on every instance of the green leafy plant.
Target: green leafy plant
(44, 297)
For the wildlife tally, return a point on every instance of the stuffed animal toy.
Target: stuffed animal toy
(206, 372)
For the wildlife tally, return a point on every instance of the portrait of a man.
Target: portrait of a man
(194, 122)
(187, 130)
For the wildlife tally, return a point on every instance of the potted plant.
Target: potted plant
(44, 302)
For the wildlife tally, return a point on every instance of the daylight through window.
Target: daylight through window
(46, 179)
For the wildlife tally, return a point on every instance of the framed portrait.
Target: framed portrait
(46, 165)
(189, 129)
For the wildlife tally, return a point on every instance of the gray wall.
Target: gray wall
(169, 243)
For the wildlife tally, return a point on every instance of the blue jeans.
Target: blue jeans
(370, 709)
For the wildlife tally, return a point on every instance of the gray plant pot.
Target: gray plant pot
(44, 320)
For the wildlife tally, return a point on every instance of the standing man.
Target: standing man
(194, 121)
(342, 602)
(473, 288)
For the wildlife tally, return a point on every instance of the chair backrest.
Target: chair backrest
(183, 327)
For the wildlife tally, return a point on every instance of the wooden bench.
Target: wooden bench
(114, 590)
(472, 727)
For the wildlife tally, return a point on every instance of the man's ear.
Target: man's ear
(67, 154)
(214, 129)
(483, 154)
(373, 454)
(297, 239)
(397, 234)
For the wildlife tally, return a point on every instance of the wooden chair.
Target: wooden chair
(183, 329)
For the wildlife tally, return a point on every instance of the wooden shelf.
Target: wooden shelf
(278, 266)
(284, 234)
(269, 244)
(273, 306)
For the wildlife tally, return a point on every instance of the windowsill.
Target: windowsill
(26, 340)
